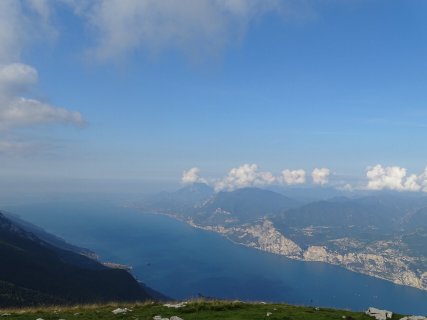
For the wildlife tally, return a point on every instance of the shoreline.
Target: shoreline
(299, 257)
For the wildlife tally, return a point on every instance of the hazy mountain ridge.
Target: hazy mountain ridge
(67, 252)
(35, 272)
(241, 206)
(183, 201)
(382, 235)
(47, 237)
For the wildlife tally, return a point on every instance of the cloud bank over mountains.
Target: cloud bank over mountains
(247, 175)
(395, 178)
(320, 176)
(191, 176)
(291, 177)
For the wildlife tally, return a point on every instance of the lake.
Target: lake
(182, 262)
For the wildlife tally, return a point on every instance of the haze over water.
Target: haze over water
(183, 262)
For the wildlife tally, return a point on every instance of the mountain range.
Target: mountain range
(379, 234)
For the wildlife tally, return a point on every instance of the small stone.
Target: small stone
(176, 318)
(176, 305)
(121, 311)
(269, 314)
(379, 314)
(118, 311)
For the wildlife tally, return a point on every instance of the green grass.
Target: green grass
(199, 309)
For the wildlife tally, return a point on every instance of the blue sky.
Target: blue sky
(151, 89)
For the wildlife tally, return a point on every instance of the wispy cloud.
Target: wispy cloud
(21, 23)
(18, 148)
(196, 28)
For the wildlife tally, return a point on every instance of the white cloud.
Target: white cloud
(22, 112)
(12, 31)
(196, 28)
(411, 183)
(392, 178)
(15, 110)
(245, 176)
(191, 176)
(293, 177)
(16, 78)
(423, 180)
(21, 23)
(320, 176)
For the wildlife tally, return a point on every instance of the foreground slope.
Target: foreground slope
(34, 272)
(194, 310)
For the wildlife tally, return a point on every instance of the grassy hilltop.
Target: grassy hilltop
(192, 311)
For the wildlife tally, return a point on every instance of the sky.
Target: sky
(234, 93)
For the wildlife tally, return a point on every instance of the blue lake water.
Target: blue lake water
(182, 262)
